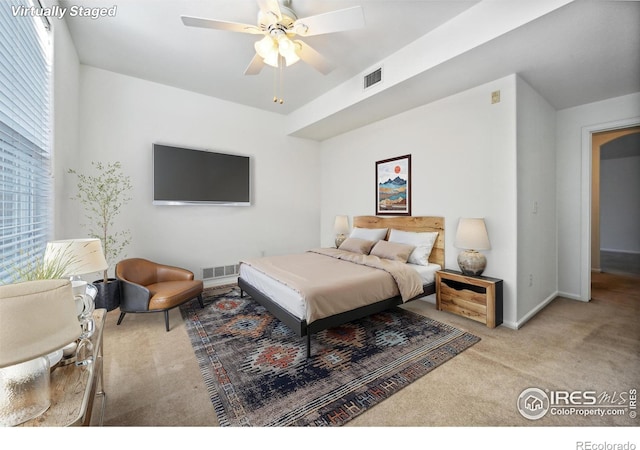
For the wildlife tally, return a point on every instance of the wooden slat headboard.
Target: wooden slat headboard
(409, 223)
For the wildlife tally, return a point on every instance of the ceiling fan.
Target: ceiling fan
(279, 24)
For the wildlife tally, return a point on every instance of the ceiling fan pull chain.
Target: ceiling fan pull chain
(275, 85)
(281, 79)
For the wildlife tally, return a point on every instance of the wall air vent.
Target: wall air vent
(220, 271)
(374, 77)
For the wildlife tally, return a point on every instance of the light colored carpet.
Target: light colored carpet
(152, 377)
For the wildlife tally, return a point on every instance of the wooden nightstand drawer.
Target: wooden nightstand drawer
(457, 298)
(478, 298)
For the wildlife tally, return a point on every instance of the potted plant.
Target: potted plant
(102, 195)
(36, 267)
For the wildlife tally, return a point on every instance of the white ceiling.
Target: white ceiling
(586, 51)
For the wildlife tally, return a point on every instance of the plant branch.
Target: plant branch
(102, 195)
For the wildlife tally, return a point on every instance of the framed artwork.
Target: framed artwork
(393, 186)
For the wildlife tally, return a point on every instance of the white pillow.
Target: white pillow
(369, 234)
(422, 241)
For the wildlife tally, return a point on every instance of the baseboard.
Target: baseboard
(571, 296)
(536, 310)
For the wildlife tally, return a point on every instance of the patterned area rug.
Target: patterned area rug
(257, 374)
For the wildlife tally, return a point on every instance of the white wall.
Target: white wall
(120, 117)
(620, 204)
(66, 79)
(463, 165)
(537, 255)
(573, 153)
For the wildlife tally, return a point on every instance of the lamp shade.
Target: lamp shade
(472, 235)
(79, 256)
(36, 318)
(341, 225)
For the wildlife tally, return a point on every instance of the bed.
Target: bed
(349, 284)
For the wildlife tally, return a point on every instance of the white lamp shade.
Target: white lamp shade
(472, 235)
(265, 47)
(36, 318)
(288, 49)
(341, 225)
(80, 256)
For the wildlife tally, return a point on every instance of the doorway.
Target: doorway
(615, 203)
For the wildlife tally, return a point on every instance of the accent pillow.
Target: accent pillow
(422, 241)
(392, 250)
(356, 245)
(370, 234)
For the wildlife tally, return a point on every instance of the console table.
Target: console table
(74, 388)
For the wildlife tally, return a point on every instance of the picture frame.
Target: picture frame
(393, 186)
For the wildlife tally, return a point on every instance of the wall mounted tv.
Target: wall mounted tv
(183, 176)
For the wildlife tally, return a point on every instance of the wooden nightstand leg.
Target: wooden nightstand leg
(491, 306)
(438, 292)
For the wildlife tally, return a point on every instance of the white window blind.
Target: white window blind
(25, 125)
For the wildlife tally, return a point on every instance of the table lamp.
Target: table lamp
(341, 227)
(472, 236)
(36, 318)
(80, 256)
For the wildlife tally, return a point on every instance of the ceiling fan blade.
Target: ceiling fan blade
(331, 22)
(255, 66)
(220, 25)
(270, 6)
(313, 58)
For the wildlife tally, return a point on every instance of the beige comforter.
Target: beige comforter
(333, 281)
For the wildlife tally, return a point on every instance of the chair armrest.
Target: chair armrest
(133, 297)
(171, 273)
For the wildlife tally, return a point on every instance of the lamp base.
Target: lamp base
(340, 239)
(472, 262)
(24, 391)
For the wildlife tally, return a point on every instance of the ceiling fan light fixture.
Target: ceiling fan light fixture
(287, 49)
(279, 24)
(272, 59)
(291, 58)
(266, 47)
(285, 44)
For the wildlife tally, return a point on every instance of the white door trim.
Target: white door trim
(585, 234)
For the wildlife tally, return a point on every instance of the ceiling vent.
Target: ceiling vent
(374, 77)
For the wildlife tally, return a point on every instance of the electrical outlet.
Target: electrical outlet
(495, 97)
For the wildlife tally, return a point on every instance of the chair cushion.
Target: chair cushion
(168, 294)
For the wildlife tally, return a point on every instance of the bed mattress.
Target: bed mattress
(292, 301)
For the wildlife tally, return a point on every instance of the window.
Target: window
(25, 131)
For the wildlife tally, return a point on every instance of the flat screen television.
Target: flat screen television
(183, 176)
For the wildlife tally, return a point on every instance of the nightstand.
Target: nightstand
(476, 297)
